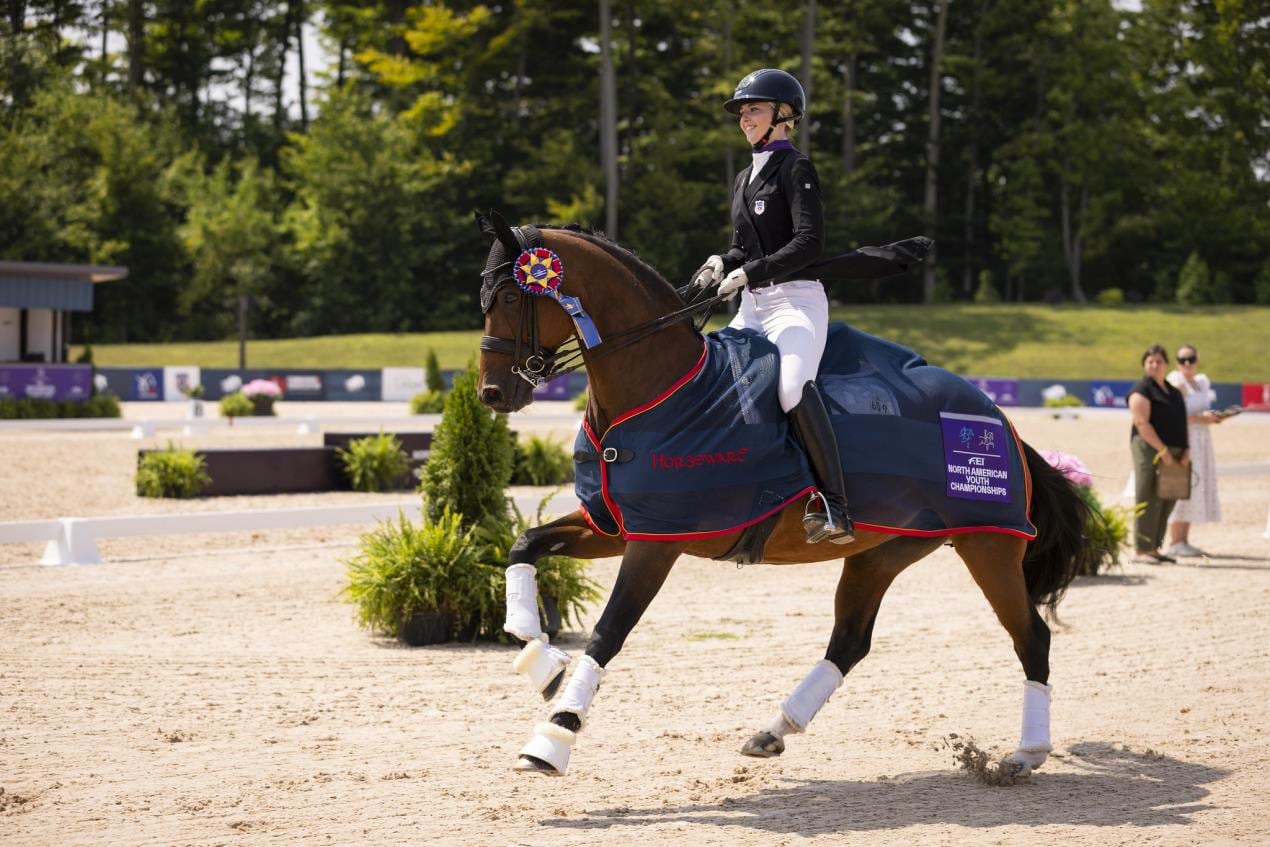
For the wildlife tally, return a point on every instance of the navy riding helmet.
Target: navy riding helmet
(769, 85)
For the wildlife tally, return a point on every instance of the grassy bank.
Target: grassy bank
(1071, 342)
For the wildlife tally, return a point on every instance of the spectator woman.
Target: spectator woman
(1158, 436)
(1203, 506)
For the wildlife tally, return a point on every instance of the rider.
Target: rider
(778, 231)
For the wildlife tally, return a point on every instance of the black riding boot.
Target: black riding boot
(811, 425)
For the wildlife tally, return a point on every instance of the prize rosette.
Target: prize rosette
(538, 271)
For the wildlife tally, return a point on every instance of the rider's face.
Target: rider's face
(755, 119)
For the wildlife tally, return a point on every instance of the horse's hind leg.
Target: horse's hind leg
(865, 579)
(644, 569)
(568, 536)
(996, 563)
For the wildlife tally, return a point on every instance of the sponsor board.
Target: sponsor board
(400, 384)
(1110, 393)
(1003, 392)
(46, 382)
(178, 380)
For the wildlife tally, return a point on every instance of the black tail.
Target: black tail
(1060, 551)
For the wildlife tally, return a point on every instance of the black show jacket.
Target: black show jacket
(775, 244)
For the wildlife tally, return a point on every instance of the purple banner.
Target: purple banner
(1003, 392)
(556, 388)
(1114, 393)
(975, 460)
(46, 382)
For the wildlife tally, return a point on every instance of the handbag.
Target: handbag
(1173, 482)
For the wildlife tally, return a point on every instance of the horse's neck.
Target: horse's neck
(631, 376)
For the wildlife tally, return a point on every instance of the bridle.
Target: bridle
(535, 363)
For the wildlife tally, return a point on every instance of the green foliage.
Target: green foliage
(471, 459)
(987, 290)
(541, 461)
(236, 405)
(1067, 400)
(432, 374)
(580, 402)
(427, 403)
(401, 569)
(85, 356)
(171, 472)
(31, 408)
(374, 463)
(1194, 283)
(1107, 530)
(1261, 286)
(1110, 297)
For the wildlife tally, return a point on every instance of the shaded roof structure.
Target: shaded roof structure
(50, 285)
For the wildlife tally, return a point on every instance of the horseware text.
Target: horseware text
(678, 463)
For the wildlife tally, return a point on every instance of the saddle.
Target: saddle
(924, 452)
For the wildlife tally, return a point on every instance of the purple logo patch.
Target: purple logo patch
(976, 465)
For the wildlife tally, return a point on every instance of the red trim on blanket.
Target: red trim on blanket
(604, 479)
(713, 533)
(586, 516)
(936, 533)
(664, 396)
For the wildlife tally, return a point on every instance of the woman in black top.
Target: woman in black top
(778, 230)
(1158, 435)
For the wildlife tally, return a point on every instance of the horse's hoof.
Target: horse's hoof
(553, 687)
(533, 764)
(763, 745)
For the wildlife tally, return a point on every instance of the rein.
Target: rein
(542, 363)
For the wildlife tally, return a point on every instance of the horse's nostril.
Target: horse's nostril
(491, 394)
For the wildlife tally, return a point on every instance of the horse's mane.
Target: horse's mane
(653, 281)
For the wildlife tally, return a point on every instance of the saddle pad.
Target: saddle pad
(924, 451)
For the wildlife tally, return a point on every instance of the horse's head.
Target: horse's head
(522, 328)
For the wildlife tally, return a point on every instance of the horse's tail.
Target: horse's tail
(1060, 552)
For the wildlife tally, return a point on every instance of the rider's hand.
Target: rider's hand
(709, 273)
(732, 283)
(1167, 457)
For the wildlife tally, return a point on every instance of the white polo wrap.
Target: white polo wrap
(1035, 737)
(580, 692)
(522, 603)
(811, 694)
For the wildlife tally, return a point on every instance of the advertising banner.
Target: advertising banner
(348, 385)
(178, 380)
(306, 385)
(400, 384)
(556, 388)
(46, 382)
(1003, 392)
(1256, 396)
(1112, 393)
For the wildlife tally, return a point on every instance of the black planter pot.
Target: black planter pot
(428, 627)
(550, 616)
(262, 405)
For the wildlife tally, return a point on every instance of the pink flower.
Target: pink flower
(262, 388)
(1071, 466)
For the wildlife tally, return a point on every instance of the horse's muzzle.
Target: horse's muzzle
(494, 397)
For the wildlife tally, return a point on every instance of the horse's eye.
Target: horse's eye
(511, 296)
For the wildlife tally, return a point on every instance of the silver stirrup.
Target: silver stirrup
(827, 528)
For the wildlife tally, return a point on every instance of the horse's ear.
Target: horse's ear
(487, 228)
(503, 231)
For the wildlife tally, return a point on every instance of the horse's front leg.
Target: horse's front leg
(568, 536)
(644, 569)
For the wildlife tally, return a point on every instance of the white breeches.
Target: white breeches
(795, 317)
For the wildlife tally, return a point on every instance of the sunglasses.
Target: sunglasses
(1187, 360)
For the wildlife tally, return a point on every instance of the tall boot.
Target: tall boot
(810, 421)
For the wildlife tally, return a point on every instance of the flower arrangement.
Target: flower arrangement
(1107, 527)
(262, 388)
(1071, 466)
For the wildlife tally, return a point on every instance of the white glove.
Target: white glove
(732, 283)
(709, 273)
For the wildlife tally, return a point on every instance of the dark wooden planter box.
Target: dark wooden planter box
(425, 628)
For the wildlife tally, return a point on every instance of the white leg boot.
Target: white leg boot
(543, 664)
(553, 744)
(1034, 740)
(522, 603)
(797, 711)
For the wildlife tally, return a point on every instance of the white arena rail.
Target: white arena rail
(73, 541)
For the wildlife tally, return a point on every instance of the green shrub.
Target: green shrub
(1261, 285)
(236, 405)
(432, 373)
(1110, 297)
(402, 569)
(374, 463)
(471, 459)
(541, 461)
(1106, 531)
(1194, 282)
(1062, 402)
(987, 292)
(579, 402)
(32, 408)
(171, 472)
(427, 403)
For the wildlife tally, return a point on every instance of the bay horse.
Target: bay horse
(636, 341)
